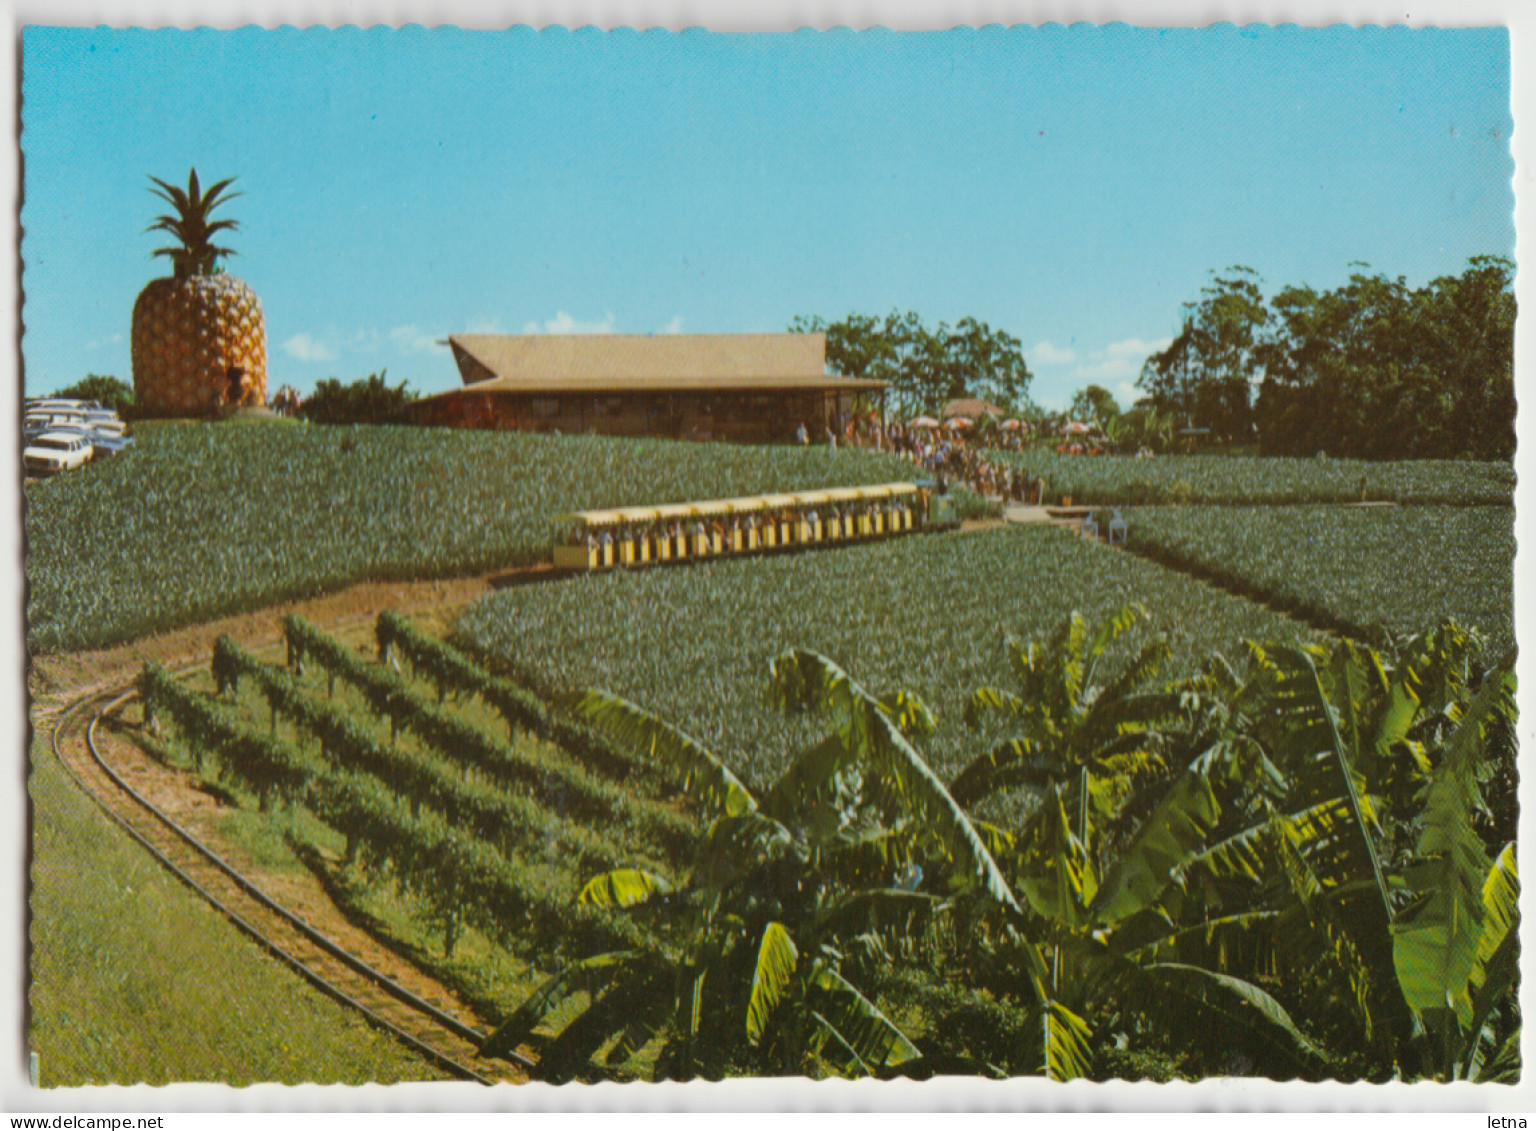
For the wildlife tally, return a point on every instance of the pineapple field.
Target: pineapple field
(1262, 481)
(573, 793)
(1363, 571)
(261, 514)
(929, 614)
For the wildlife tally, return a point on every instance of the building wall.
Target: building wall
(740, 417)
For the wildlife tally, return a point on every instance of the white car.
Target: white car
(105, 422)
(46, 403)
(56, 451)
(40, 420)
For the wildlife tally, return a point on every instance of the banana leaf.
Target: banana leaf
(691, 767)
(623, 887)
(776, 956)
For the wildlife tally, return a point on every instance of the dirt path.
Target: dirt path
(58, 678)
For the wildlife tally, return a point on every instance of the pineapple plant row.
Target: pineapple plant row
(199, 340)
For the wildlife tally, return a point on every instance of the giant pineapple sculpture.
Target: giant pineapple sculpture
(199, 342)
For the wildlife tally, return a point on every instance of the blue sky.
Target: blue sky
(1072, 186)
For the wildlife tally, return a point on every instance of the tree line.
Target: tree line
(1373, 369)
(370, 400)
(924, 368)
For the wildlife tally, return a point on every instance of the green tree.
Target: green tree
(1347, 372)
(1472, 323)
(1374, 369)
(1147, 426)
(1139, 787)
(923, 368)
(1309, 882)
(1206, 373)
(1389, 925)
(1094, 403)
(1090, 731)
(370, 401)
(108, 392)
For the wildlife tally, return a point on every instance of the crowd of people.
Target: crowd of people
(286, 401)
(950, 461)
(943, 453)
(864, 430)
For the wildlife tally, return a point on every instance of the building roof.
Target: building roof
(549, 363)
(971, 408)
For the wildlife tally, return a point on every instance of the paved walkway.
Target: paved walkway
(1018, 512)
(1068, 518)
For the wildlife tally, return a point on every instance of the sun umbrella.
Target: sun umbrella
(957, 422)
(924, 422)
(1011, 425)
(1077, 429)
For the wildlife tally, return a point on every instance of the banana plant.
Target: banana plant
(1112, 927)
(1150, 882)
(1454, 947)
(1097, 739)
(1379, 894)
(1086, 928)
(791, 894)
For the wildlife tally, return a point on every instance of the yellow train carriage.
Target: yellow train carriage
(631, 537)
(742, 525)
(585, 541)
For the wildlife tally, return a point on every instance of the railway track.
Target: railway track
(424, 1027)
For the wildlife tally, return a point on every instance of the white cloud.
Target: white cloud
(1137, 348)
(109, 340)
(1118, 363)
(364, 341)
(1046, 354)
(413, 339)
(675, 326)
(563, 323)
(1107, 370)
(305, 348)
(490, 325)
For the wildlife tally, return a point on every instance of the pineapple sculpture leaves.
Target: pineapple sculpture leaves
(199, 340)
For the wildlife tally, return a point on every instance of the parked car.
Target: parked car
(42, 420)
(105, 421)
(46, 403)
(103, 446)
(57, 451)
(102, 423)
(103, 443)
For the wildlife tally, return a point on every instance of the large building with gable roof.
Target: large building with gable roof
(750, 388)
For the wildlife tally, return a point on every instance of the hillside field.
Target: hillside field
(1363, 570)
(201, 520)
(476, 828)
(928, 614)
(1123, 480)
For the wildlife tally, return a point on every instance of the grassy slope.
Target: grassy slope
(134, 979)
(201, 520)
(929, 613)
(1402, 569)
(1238, 479)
